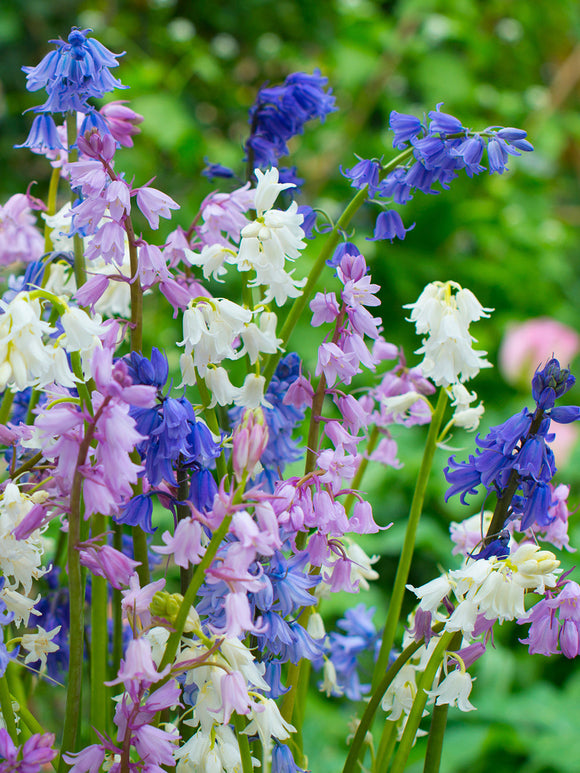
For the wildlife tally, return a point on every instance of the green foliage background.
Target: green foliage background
(194, 68)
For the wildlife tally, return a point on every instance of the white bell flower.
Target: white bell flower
(39, 645)
(445, 318)
(454, 690)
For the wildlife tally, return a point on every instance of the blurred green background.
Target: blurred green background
(194, 68)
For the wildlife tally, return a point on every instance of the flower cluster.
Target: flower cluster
(110, 471)
(73, 73)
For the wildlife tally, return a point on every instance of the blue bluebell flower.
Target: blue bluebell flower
(217, 171)
(520, 447)
(388, 226)
(344, 248)
(283, 761)
(77, 70)
(366, 172)
(347, 650)
(280, 112)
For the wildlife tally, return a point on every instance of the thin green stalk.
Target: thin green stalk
(99, 640)
(386, 746)
(212, 423)
(435, 739)
(136, 290)
(50, 210)
(414, 719)
(409, 543)
(6, 405)
(297, 308)
(243, 744)
(117, 610)
(357, 480)
(7, 710)
(351, 763)
(189, 596)
(79, 267)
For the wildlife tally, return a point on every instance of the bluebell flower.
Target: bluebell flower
(347, 650)
(153, 372)
(405, 128)
(43, 135)
(388, 226)
(520, 447)
(280, 112)
(216, 171)
(78, 70)
(282, 760)
(366, 172)
(308, 224)
(137, 512)
(345, 248)
(444, 123)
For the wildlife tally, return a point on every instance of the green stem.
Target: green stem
(51, 209)
(409, 543)
(7, 710)
(243, 744)
(357, 480)
(435, 740)
(73, 154)
(212, 423)
(136, 290)
(414, 719)
(99, 639)
(189, 596)
(141, 553)
(297, 308)
(6, 405)
(369, 713)
(386, 746)
(117, 610)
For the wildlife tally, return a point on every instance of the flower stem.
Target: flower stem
(357, 480)
(136, 290)
(243, 744)
(414, 719)
(435, 740)
(99, 639)
(297, 308)
(7, 710)
(79, 267)
(369, 713)
(6, 405)
(409, 543)
(191, 593)
(51, 207)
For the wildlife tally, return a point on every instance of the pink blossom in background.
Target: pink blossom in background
(527, 345)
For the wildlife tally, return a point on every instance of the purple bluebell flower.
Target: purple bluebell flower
(280, 113)
(345, 248)
(519, 447)
(405, 128)
(347, 650)
(217, 171)
(76, 71)
(366, 172)
(388, 226)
